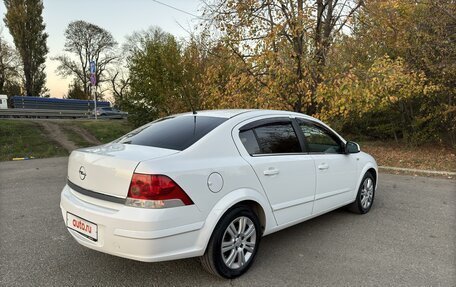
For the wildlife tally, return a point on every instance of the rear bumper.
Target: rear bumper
(148, 235)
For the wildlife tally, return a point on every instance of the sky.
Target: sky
(120, 17)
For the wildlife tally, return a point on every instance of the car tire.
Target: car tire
(240, 243)
(365, 196)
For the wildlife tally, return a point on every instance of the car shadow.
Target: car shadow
(297, 240)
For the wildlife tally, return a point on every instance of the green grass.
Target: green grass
(106, 130)
(26, 139)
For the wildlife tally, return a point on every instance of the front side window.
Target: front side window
(320, 140)
(272, 138)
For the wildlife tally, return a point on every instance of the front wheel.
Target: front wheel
(365, 196)
(234, 243)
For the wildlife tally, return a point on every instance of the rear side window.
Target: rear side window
(272, 138)
(176, 133)
(249, 141)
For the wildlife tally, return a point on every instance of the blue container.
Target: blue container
(19, 102)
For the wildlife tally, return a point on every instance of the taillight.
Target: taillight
(155, 191)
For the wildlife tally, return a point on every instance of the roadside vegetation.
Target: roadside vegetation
(27, 138)
(383, 71)
(400, 154)
(20, 139)
(382, 68)
(105, 130)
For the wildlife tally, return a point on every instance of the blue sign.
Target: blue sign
(93, 79)
(93, 67)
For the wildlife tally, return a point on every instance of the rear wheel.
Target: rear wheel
(234, 243)
(365, 196)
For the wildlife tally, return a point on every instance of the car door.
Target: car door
(116, 113)
(336, 171)
(287, 174)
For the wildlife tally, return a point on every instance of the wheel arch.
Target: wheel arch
(247, 197)
(256, 208)
(373, 172)
(368, 167)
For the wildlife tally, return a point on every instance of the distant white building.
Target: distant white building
(3, 102)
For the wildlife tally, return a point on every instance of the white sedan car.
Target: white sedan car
(212, 184)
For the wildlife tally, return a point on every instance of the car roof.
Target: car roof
(230, 113)
(227, 113)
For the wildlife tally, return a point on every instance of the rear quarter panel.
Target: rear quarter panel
(216, 152)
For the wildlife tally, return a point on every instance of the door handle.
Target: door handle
(271, 171)
(323, 166)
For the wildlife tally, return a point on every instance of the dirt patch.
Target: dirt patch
(54, 132)
(88, 137)
(426, 157)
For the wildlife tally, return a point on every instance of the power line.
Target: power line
(177, 9)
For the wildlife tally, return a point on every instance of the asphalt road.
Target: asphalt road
(407, 239)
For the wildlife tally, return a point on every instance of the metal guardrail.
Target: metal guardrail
(43, 113)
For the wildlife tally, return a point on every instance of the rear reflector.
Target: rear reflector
(155, 191)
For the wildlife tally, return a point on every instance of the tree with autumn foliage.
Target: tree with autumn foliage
(371, 68)
(282, 45)
(24, 19)
(403, 54)
(382, 67)
(10, 75)
(164, 75)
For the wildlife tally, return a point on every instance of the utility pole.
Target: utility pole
(93, 82)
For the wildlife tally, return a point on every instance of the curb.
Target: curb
(419, 170)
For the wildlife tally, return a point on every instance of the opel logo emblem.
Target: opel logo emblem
(82, 173)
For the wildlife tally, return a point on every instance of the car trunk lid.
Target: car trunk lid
(108, 169)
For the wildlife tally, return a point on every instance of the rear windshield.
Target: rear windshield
(172, 133)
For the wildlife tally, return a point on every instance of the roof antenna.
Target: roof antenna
(190, 104)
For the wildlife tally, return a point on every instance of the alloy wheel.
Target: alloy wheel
(367, 193)
(238, 242)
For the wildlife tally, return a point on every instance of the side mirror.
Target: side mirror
(352, 147)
